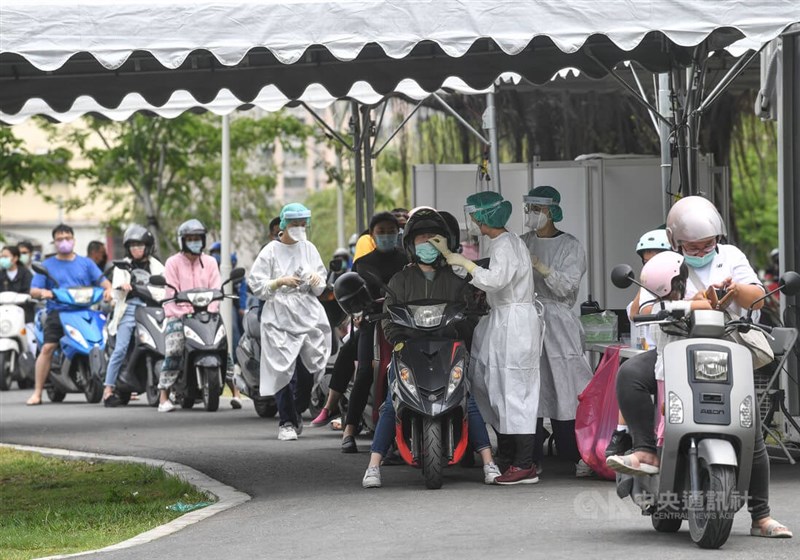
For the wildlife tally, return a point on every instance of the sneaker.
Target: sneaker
(516, 475)
(236, 403)
(286, 433)
(582, 470)
(490, 473)
(166, 406)
(619, 443)
(349, 445)
(324, 417)
(112, 401)
(372, 478)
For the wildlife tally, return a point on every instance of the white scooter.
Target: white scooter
(710, 426)
(16, 360)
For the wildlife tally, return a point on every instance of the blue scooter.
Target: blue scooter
(79, 362)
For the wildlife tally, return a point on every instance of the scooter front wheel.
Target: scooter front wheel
(5, 370)
(93, 390)
(54, 395)
(211, 387)
(432, 456)
(152, 384)
(266, 407)
(711, 517)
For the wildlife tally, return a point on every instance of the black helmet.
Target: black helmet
(138, 234)
(351, 292)
(424, 220)
(191, 227)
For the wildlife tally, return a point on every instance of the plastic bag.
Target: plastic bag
(600, 327)
(597, 414)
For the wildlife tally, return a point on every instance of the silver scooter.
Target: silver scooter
(710, 425)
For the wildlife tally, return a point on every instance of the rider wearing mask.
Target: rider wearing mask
(25, 253)
(695, 230)
(559, 265)
(188, 269)
(15, 278)
(138, 243)
(289, 276)
(69, 270)
(504, 365)
(428, 277)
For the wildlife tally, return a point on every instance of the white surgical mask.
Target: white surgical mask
(536, 220)
(195, 247)
(297, 233)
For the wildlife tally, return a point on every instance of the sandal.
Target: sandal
(630, 464)
(772, 530)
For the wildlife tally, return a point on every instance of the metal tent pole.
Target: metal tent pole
(369, 188)
(665, 109)
(225, 226)
(355, 128)
(490, 122)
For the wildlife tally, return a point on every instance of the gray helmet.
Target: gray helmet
(191, 227)
(693, 218)
(140, 234)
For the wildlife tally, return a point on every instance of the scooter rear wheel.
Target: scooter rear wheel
(432, 456)
(710, 521)
(266, 407)
(666, 522)
(55, 396)
(5, 371)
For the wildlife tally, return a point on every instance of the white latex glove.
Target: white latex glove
(455, 259)
(290, 281)
(542, 268)
(441, 245)
(314, 280)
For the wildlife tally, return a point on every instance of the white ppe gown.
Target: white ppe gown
(504, 365)
(565, 372)
(293, 322)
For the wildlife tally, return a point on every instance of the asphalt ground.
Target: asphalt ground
(308, 501)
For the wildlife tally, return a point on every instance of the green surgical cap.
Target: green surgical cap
(546, 191)
(489, 208)
(294, 211)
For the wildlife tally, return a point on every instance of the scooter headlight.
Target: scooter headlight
(201, 299)
(6, 328)
(192, 335)
(428, 316)
(406, 378)
(76, 335)
(675, 409)
(456, 375)
(81, 295)
(145, 338)
(746, 412)
(710, 366)
(220, 335)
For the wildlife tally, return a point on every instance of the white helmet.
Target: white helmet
(693, 218)
(655, 240)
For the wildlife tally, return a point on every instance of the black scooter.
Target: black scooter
(142, 365)
(205, 350)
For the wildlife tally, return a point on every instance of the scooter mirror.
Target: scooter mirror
(122, 264)
(158, 280)
(336, 265)
(39, 268)
(622, 276)
(790, 283)
(237, 274)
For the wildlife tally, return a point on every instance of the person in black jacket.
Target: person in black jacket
(15, 277)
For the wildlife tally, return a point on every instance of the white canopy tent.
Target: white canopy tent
(69, 55)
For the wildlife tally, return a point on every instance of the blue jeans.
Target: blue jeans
(384, 431)
(124, 334)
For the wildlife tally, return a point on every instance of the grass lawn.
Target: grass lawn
(55, 506)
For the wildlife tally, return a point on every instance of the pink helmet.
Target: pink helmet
(659, 271)
(693, 218)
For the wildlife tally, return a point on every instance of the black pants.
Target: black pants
(515, 449)
(564, 436)
(344, 366)
(294, 399)
(363, 383)
(636, 391)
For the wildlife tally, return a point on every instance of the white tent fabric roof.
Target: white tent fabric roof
(58, 52)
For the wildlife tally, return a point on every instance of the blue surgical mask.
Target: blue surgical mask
(195, 247)
(5, 263)
(699, 262)
(426, 252)
(386, 243)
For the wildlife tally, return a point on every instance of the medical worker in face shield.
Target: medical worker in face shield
(504, 365)
(289, 276)
(559, 263)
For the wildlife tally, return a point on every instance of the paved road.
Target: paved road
(308, 501)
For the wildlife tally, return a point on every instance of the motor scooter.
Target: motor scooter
(710, 425)
(205, 349)
(16, 360)
(142, 366)
(78, 363)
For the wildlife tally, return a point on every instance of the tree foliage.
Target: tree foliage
(20, 168)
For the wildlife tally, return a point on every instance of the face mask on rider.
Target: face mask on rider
(25, 258)
(194, 247)
(536, 220)
(386, 242)
(5, 263)
(297, 233)
(700, 262)
(426, 252)
(65, 246)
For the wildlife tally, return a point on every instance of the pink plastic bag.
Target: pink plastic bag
(597, 415)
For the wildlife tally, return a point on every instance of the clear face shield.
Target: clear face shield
(473, 229)
(535, 216)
